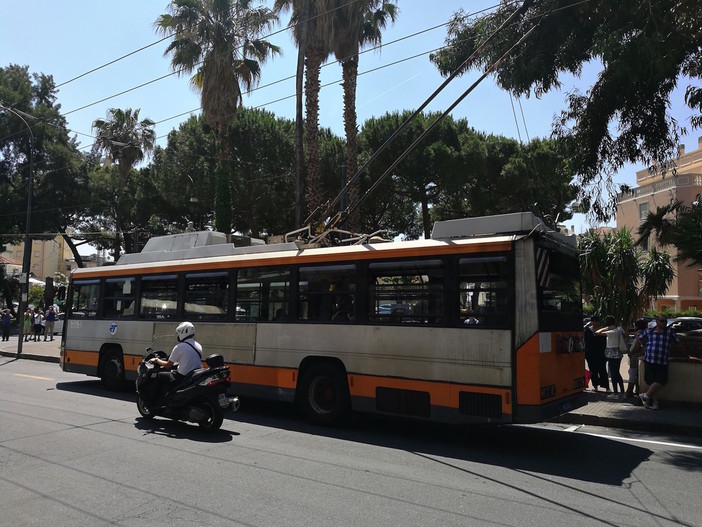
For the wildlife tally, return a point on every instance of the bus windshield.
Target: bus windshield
(558, 285)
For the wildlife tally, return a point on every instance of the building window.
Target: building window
(643, 214)
(643, 211)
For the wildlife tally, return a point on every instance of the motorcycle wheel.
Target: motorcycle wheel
(214, 418)
(143, 409)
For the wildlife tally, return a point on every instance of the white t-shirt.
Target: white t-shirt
(185, 355)
(613, 337)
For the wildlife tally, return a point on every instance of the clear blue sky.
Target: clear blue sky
(67, 39)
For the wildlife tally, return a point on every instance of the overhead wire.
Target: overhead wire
(287, 78)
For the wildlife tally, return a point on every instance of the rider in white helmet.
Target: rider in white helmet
(186, 355)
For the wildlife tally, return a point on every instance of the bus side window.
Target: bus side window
(262, 293)
(159, 297)
(327, 293)
(119, 297)
(406, 292)
(206, 296)
(84, 303)
(483, 291)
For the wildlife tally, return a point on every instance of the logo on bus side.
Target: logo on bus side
(113, 328)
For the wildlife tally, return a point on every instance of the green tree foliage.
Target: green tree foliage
(617, 278)
(60, 191)
(220, 41)
(509, 177)
(263, 151)
(456, 172)
(414, 184)
(184, 174)
(644, 49)
(126, 140)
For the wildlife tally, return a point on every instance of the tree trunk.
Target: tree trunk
(223, 192)
(299, 123)
(426, 220)
(74, 250)
(314, 181)
(349, 76)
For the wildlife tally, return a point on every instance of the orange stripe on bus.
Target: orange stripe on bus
(441, 393)
(278, 377)
(84, 358)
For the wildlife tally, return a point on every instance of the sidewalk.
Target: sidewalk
(627, 414)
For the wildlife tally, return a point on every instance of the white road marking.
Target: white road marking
(649, 441)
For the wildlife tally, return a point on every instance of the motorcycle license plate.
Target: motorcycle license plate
(223, 401)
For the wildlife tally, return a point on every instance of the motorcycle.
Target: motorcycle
(200, 397)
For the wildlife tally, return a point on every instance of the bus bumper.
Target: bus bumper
(546, 411)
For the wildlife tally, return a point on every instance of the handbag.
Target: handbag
(623, 346)
(613, 353)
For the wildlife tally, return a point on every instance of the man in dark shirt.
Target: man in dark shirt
(594, 354)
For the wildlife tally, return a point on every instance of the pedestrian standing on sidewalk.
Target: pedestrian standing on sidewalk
(658, 341)
(6, 321)
(635, 353)
(28, 321)
(613, 354)
(594, 354)
(38, 319)
(50, 320)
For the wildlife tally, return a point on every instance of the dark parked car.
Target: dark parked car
(686, 325)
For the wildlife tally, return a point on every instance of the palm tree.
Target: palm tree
(127, 141)
(659, 224)
(682, 230)
(219, 41)
(356, 25)
(312, 33)
(617, 279)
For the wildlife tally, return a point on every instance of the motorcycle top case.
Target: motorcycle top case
(215, 361)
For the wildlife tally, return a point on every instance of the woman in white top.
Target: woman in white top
(613, 353)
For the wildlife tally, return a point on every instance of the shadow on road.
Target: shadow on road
(159, 426)
(529, 449)
(95, 387)
(180, 430)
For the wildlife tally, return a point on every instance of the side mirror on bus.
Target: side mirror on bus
(61, 293)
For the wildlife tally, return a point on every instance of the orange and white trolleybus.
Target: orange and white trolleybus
(480, 323)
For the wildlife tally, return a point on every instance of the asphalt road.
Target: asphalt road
(72, 453)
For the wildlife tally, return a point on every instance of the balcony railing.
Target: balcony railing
(682, 180)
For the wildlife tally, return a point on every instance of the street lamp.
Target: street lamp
(26, 259)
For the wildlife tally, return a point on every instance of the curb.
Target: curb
(30, 356)
(628, 424)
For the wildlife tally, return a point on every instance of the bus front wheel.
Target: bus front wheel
(112, 372)
(323, 396)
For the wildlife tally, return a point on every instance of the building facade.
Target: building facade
(48, 257)
(655, 190)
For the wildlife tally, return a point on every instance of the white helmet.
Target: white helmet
(185, 331)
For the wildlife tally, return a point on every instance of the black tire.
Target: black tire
(112, 371)
(143, 409)
(323, 394)
(215, 416)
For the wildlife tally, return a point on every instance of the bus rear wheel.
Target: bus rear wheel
(323, 396)
(112, 371)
